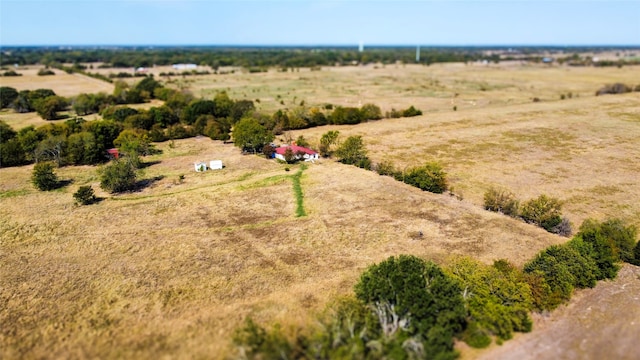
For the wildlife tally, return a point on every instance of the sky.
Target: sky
(313, 23)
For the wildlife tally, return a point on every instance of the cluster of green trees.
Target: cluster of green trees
(43, 101)
(180, 116)
(409, 308)
(543, 211)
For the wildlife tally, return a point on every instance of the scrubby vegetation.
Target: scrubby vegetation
(408, 308)
(502, 201)
(617, 88)
(543, 211)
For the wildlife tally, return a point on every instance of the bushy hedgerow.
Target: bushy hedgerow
(593, 254)
(502, 201)
(497, 297)
(600, 244)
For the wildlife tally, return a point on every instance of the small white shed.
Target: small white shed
(215, 164)
(200, 166)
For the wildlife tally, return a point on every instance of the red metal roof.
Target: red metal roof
(295, 149)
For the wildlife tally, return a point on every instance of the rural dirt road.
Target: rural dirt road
(599, 323)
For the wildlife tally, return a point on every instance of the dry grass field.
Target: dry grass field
(171, 270)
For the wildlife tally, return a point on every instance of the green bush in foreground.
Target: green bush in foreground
(85, 195)
(43, 177)
(118, 176)
(498, 299)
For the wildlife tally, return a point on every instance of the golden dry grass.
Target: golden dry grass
(171, 270)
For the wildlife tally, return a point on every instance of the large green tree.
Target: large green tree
(352, 151)
(249, 135)
(414, 299)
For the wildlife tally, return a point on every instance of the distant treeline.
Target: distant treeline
(124, 57)
(244, 57)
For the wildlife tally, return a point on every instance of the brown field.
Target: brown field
(173, 269)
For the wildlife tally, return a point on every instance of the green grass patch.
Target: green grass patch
(297, 192)
(272, 180)
(13, 193)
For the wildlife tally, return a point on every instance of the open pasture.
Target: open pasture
(172, 269)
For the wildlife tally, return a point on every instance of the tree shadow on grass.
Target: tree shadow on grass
(145, 183)
(147, 164)
(62, 184)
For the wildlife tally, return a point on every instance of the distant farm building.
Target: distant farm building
(300, 153)
(185, 66)
(113, 153)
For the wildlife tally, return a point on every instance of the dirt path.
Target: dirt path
(599, 323)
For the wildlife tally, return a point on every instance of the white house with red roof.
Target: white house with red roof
(300, 153)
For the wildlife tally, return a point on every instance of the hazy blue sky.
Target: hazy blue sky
(337, 22)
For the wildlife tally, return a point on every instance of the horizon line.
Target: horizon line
(355, 46)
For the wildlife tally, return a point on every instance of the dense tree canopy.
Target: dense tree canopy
(249, 135)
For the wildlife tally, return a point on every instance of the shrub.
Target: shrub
(11, 73)
(608, 243)
(623, 237)
(636, 254)
(497, 297)
(617, 88)
(352, 151)
(43, 177)
(371, 112)
(502, 201)
(564, 228)
(551, 281)
(411, 111)
(118, 176)
(85, 195)
(257, 342)
(543, 211)
(385, 168)
(45, 72)
(429, 177)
